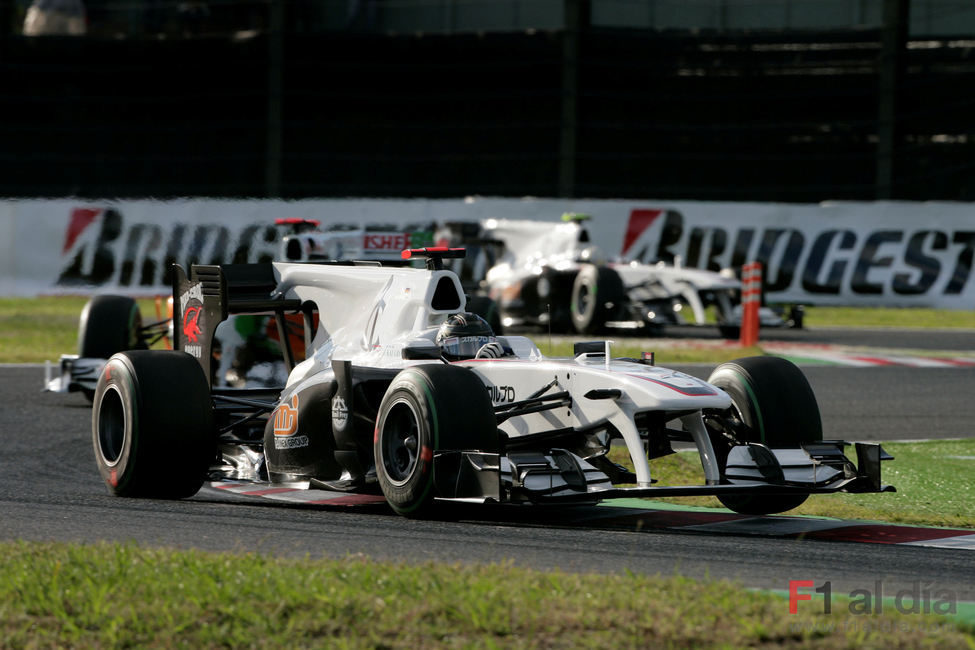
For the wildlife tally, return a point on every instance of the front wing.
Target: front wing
(74, 373)
(560, 476)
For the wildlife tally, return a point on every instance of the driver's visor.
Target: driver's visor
(464, 347)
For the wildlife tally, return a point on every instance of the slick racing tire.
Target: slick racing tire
(776, 406)
(426, 409)
(152, 424)
(596, 293)
(109, 324)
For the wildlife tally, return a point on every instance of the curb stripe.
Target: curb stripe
(299, 495)
(264, 492)
(839, 355)
(874, 361)
(888, 534)
(629, 515)
(784, 526)
(966, 542)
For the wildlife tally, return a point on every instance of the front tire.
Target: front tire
(152, 424)
(426, 409)
(109, 324)
(773, 404)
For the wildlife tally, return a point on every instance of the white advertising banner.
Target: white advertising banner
(884, 254)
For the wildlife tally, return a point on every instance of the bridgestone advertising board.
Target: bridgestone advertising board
(883, 254)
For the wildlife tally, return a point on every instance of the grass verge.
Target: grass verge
(889, 317)
(57, 596)
(34, 330)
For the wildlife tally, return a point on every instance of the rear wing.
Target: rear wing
(210, 293)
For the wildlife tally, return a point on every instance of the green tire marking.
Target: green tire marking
(133, 334)
(428, 391)
(755, 404)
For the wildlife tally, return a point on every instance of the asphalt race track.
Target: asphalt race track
(50, 490)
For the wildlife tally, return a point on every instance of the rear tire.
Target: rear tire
(426, 409)
(596, 294)
(152, 424)
(776, 406)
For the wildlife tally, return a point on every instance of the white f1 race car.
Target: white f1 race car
(108, 324)
(551, 275)
(402, 392)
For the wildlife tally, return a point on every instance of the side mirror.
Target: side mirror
(421, 352)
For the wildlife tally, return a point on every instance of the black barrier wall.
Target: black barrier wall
(629, 113)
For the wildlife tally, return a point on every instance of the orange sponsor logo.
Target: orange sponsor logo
(286, 418)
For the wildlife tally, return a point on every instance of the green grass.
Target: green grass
(935, 484)
(59, 596)
(888, 317)
(34, 330)
(42, 329)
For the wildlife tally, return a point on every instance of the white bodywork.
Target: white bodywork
(531, 246)
(642, 388)
(661, 280)
(369, 315)
(73, 373)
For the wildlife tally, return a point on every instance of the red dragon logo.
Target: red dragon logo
(191, 328)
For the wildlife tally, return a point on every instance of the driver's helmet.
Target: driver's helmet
(463, 334)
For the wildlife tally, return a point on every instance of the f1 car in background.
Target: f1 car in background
(551, 275)
(406, 394)
(107, 324)
(309, 242)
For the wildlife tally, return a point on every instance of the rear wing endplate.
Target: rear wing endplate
(209, 293)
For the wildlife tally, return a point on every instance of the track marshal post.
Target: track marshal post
(751, 297)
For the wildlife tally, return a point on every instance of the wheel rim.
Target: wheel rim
(735, 413)
(583, 300)
(400, 442)
(111, 426)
